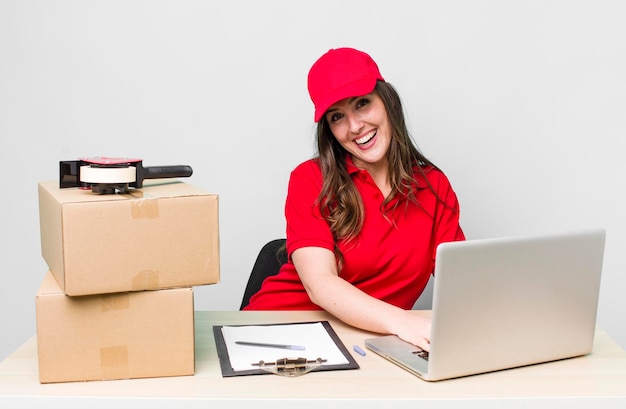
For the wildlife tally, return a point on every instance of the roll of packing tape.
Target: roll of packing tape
(107, 175)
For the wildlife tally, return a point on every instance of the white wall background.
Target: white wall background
(522, 103)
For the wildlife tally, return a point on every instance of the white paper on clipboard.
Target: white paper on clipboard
(312, 336)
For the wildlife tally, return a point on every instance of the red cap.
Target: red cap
(338, 74)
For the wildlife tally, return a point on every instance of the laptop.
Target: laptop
(506, 302)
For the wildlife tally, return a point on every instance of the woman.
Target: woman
(365, 216)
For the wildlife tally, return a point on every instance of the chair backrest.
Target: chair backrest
(271, 257)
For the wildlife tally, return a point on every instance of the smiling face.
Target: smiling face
(361, 126)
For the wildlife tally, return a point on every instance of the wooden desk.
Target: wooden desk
(594, 381)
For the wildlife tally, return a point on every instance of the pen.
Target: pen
(264, 345)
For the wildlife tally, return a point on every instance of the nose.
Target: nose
(356, 124)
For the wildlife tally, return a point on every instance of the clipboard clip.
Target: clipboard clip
(290, 367)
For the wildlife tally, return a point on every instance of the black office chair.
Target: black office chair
(271, 257)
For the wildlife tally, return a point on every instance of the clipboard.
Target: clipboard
(227, 367)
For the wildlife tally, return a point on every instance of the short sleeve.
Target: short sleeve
(305, 225)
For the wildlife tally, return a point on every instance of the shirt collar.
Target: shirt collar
(420, 180)
(350, 166)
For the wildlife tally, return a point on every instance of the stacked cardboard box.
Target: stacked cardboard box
(117, 301)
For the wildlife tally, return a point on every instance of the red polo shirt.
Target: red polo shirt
(391, 259)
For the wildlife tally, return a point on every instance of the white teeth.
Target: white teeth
(366, 138)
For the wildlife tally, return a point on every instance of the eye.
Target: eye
(334, 117)
(362, 102)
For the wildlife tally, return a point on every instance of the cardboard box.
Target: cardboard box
(162, 236)
(113, 336)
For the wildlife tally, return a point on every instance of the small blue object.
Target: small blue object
(358, 350)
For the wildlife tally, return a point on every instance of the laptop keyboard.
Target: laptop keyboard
(422, 354)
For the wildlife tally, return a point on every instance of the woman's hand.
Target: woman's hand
(414, 329)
